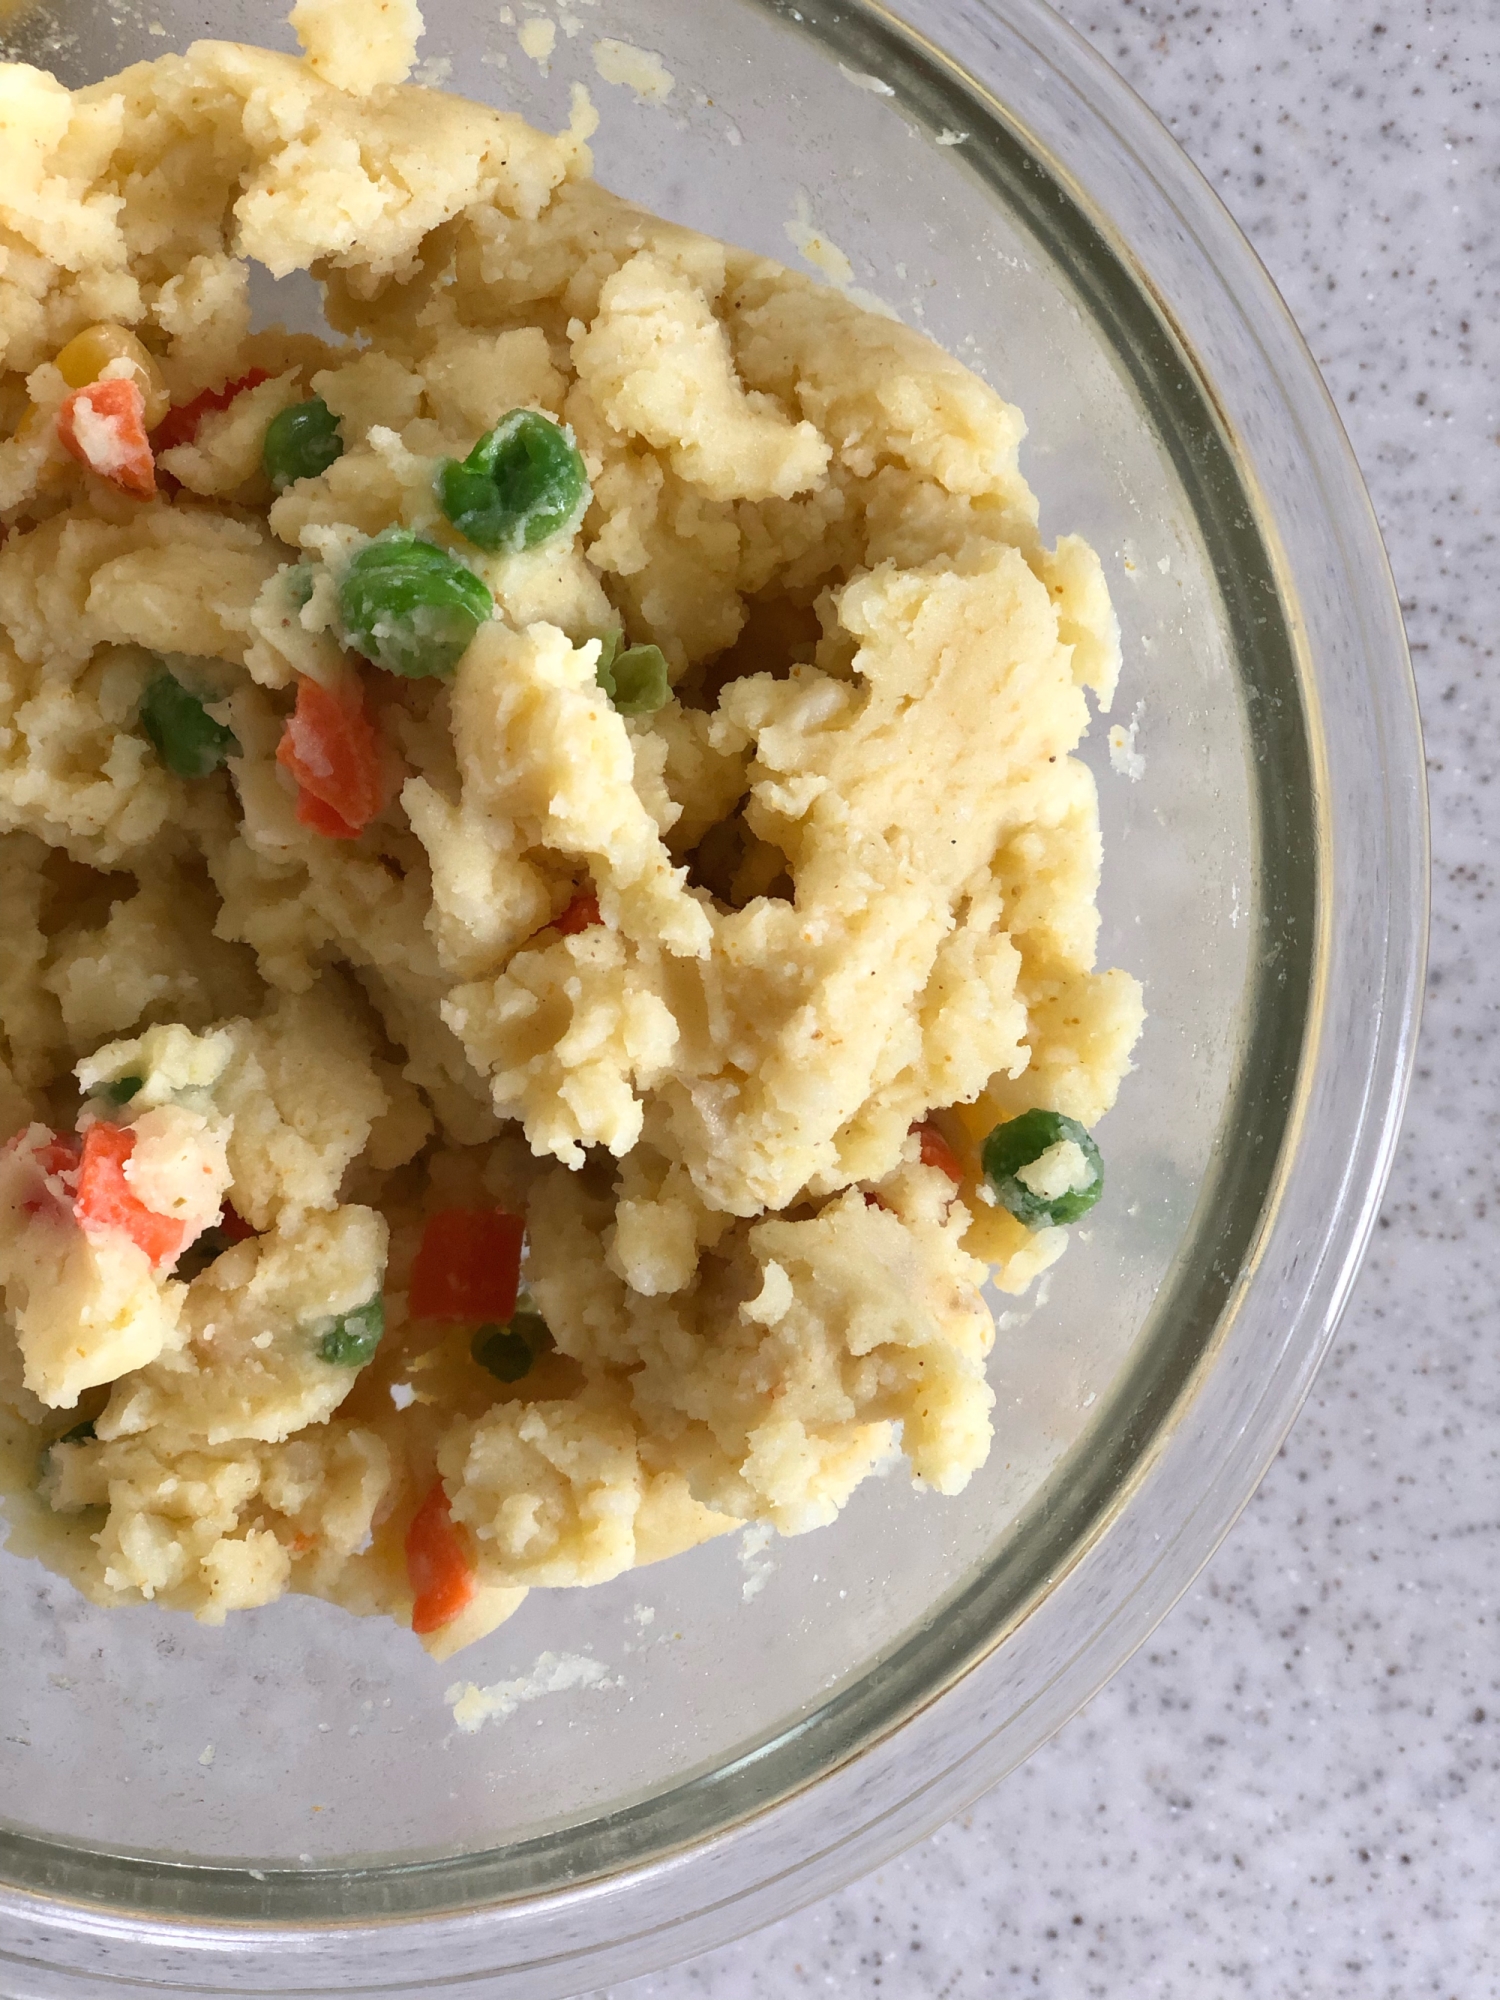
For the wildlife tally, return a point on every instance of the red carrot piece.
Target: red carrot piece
(323, 819)
(330, 747)
(936, 1152)
(469, 1265)
(56, 1155)
(106, 1200)
(103, 426)
(180, 424)
(579, 915)
(438, 1565)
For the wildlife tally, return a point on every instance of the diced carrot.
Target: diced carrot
(936, 1152)
(438, 1565)
(180, 424)
(469, 1265)
(233, 1225)
(579, 915)
(55, 1155)
(58, 1156)
(106, 1200)
(103, 426)
(323, 819)
(330, 747)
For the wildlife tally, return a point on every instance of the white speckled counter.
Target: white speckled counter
(1294, 1789)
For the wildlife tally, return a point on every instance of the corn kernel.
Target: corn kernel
(14, 403)
(89, 353)
(27, 430)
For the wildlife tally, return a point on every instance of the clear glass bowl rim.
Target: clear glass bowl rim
(906, 1769)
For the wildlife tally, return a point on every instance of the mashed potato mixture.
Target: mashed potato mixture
(549, 914)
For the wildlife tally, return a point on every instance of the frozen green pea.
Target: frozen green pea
(634, 678)
(508, 1351)
(1018, 1144)
(300, 443)
(182, 732)
(410, 607)
(523, 483)
(351, 1339)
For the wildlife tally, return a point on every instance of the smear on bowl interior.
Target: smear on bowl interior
(549, 909)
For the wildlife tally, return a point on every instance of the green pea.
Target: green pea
(182, 732)
(641, 684)
(121, 1090)
(300, 443)
(1019, 1142)
(410, 607)
(508, 1351)
(635, 678)
(350, 1340)
(521, 484)
(610, 644)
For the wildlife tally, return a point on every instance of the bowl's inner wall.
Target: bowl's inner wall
(329, 1737)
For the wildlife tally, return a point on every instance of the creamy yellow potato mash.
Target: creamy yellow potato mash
(694, 875)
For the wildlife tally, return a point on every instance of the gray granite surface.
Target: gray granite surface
(1293, 1789)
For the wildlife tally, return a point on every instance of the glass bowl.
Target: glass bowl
(286, 1807)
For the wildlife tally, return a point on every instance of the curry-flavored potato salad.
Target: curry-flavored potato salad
(548, 907)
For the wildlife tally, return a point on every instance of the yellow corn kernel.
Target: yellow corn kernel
(31, 423)
(89, 353)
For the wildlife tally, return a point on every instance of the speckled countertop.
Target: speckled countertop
(1294, 1789)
